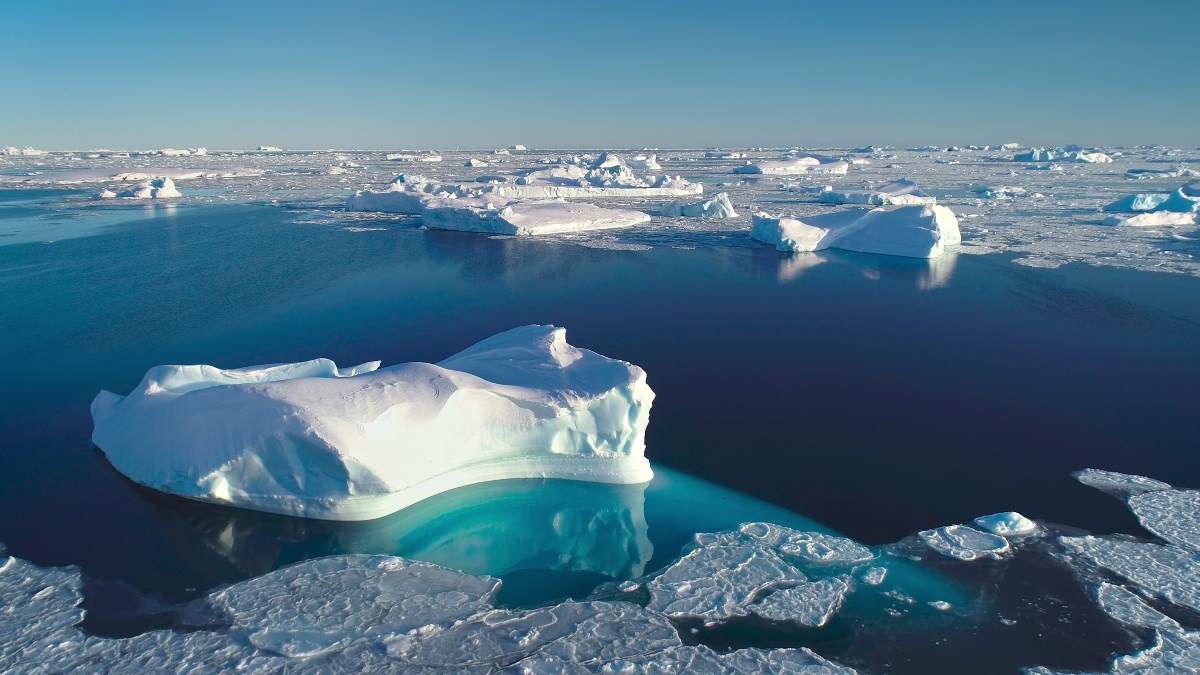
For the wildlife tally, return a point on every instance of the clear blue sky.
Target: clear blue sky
(598, 73)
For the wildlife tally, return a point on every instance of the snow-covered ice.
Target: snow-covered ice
(799, 165)
(502, 215)
(911, 231)
(155, 188)
(717, 206)
(310, 439)
(900, 192)
(1153, 219)
(964, 543)
(1007, 524)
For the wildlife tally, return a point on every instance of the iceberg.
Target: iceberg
(912, 231)
(718, 206)
(27, 151)
(799, 165)
(1138, 202)
(268, 148)
(503, 215)
(1007, 524)
(902, 191)
(608, 176)
(155, 188)
(1184, 200)
(406, 194)
(413, 157)
(475, 163)
(313, 440)
(1062, 155)
(644, 163)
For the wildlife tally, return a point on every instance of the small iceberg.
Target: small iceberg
(718, 206)
(1146, 201)
(912, 231)
(644, 163)
(1184, 200)
(798, 165)
(502, 215)
(413, 157)
(1007, 524)
(477, 163)
(155, 188)
(903, 191)
(609, 175)
(1062, 155)
(406, 194)
(313, 440)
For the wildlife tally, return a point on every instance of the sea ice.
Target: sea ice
(356, 613)
(1062, 155)
(608, 176)
(1173, 515)
(413, 157)
(800, 165)
(964, 543)
(911, 231)
(406, 194)
(717, 206)
(1184, 200)
(1119, 483)
(268, 148)
(644, 163)
(310, 439)
(27, 151)
(1152, 219)
(155, 188)
(900, 192)
(502, 215)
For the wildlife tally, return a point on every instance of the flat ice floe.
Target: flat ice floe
(900, 192)
(502, 215)
(755, 570)
(797, 166)
(309, 439)
(359, 613)
(964, 543)
(1153, 219)
(910, 231)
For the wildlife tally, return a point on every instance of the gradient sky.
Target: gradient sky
(596, 74)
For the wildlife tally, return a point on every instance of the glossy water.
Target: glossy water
(876, 396)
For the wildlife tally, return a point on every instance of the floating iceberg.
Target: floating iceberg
(503, 215)
(903, 191)
(1007, 524)
(27, 151)
(268, 148)
(413, 157)
(310, 439)
(608, 176)
(155, 188)
(717, 206)
(799, 165)
(475, 163)
(1062, 155)
(911, 231)
(1139, 202)
(1184, 200)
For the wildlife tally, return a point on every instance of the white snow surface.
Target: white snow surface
(309, 439)
(910, 231)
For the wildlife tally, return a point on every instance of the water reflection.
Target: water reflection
(923, 273)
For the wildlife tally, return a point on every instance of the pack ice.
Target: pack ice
(798, 165)
(902, 191)
(314, 440)
(609, 175)
(915, 231)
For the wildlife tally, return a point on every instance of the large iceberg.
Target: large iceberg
(314, 440)
(798, 165)
(503, 215)
(902, 191)
(913, 231)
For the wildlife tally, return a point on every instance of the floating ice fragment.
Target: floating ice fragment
(309, 439)
(1120, 483)
(899, 192)
(1007, 524)
(811, 603)
(799, 165)
(502, 215)
(717, 206)
(155, 188)
(473, 162)
(1173, 515)
(964, 543)
(715, 583)
(911, 231)
(874, 576)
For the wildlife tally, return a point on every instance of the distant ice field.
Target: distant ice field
(1047, 213)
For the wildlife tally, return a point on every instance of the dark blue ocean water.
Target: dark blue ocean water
(875, 396)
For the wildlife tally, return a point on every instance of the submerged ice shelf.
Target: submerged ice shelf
(310, 439)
